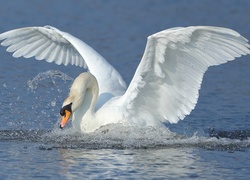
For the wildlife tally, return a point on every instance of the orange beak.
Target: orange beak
(65, 119)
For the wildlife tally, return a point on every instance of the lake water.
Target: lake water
(33, 147)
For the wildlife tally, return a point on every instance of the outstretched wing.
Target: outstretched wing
(50, 44)
(42, 43)
(166, 84)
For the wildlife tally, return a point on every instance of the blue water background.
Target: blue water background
(118, 30)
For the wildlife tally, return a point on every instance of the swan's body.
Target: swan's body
(165, 86)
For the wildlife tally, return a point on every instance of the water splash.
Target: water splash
(43, 99)
(51, 74)
(119, 136)
(4, 85)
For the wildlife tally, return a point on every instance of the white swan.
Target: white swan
(164, 88)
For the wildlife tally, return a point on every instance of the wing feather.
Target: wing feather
(34, 48)
(64, 60)
(166, 84)
(59, 54)
(52, 50)
(41, 53)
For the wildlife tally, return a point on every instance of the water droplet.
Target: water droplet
(4, 85)
(53, 103)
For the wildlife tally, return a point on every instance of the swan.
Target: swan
(165, 86)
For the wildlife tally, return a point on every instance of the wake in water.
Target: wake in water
(123, 137)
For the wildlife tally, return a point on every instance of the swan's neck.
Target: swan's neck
(85, 111)
(84, 115)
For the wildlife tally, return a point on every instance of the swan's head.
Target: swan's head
(65, 112)
(69, 106)
(81, 91)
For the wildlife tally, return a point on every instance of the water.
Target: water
(31, 144)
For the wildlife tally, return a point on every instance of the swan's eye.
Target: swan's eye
(67, 107)
(62, 112)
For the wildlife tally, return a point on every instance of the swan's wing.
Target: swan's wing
(50, 44)
(43, 43)
(166, 84)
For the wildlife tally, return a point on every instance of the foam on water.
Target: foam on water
(120, 136)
